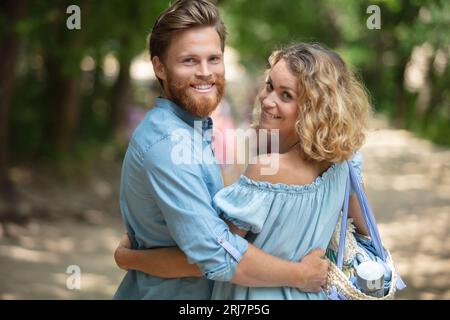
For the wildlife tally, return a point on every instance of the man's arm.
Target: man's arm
(259, 269)
(308, 274)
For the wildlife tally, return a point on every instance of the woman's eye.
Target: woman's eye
(286, 96)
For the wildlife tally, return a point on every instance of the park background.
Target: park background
(70, 99)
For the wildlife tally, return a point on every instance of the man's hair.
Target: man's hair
(183, 15)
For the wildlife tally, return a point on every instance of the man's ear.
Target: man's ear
(159, 68)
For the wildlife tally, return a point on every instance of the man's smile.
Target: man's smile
(202, 88)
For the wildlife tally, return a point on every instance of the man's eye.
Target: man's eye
(215, 59)
(189, 61)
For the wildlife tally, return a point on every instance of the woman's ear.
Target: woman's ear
(159, 68)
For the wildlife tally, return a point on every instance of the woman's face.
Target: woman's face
(279, 109)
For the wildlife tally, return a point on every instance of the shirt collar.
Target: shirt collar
(187, 117)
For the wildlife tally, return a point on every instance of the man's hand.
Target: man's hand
(314, 269)
(121, 251)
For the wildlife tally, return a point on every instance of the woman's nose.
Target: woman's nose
(269, 101)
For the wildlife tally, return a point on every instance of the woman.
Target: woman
(320, 110)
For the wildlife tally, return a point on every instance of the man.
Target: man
(165, 203)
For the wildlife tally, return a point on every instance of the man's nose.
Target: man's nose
(203, 69)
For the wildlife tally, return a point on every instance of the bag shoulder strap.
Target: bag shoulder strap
(353, 181)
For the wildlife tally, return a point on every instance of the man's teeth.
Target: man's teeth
(203, 87)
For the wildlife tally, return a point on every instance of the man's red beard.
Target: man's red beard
(198, 105)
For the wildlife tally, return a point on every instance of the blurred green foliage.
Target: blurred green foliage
(380, 56)
(52, 117)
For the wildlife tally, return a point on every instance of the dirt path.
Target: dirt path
(34, 264)
(408, 183)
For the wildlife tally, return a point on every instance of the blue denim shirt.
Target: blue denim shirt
(169, 178)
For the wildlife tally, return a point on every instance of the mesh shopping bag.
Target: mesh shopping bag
(341, 281)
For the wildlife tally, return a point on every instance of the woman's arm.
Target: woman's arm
(169, 262)
(354, 212)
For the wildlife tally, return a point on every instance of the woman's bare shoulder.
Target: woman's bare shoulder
(272, 168)
(282, 168)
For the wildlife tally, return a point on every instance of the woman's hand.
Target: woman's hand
(122, 251)
(125, 242)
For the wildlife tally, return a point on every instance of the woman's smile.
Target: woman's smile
(266, 115)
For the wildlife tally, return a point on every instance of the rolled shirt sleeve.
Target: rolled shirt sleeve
(181, 193)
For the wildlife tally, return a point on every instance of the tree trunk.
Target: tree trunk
(68, 100)
(120, 101)
(400, 97)
(14, 11)
(68, 114)
(437, 92)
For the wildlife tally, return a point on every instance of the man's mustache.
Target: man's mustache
(204, 80)
(211, 79)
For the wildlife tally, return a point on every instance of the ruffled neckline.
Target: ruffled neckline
(290, 188)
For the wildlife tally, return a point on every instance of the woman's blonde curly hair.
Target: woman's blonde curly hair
(333, 105)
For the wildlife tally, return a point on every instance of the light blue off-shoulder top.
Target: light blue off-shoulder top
(286, 221)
